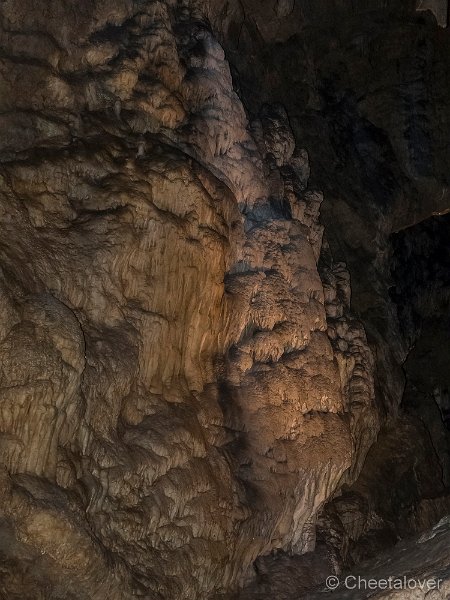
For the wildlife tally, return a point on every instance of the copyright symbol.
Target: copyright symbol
(332, 582)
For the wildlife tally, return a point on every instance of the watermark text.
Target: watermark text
(353, 582)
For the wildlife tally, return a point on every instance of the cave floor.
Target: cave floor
(418, 560)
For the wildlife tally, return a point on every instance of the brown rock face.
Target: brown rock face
(171, 403)
(184, 382)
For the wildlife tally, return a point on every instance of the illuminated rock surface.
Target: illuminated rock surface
(199, 342)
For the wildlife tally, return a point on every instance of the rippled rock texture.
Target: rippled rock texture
(184, 379)
(416, 569)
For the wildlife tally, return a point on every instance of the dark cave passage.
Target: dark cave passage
(421, 272)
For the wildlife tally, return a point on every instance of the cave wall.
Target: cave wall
(191, 367)
(171, 401)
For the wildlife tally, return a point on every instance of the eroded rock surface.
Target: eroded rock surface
(167, 373)
(190, 367)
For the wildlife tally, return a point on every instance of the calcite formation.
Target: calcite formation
(184, 379)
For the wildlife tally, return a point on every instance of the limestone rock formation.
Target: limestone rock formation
(438, 7)
(198, 344)
(415, 570)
